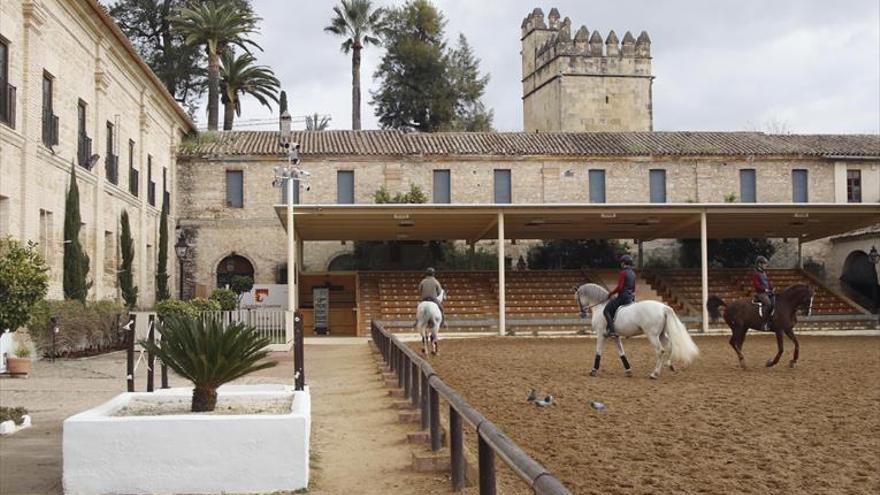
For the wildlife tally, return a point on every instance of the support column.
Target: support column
(291, 251)
(800, 256)
(641, 254)
(502, 289)
(704, 271)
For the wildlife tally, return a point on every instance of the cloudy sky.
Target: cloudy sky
(804, 66)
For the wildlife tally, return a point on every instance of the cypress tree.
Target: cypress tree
(162, 267)
(76, 262)
(126, 275)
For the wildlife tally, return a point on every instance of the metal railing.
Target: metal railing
(151, 193)
(268, 323)
(111, 167)
(424, 388)
(84, 150)
(7, 105)
(50, 128)
(134, 181)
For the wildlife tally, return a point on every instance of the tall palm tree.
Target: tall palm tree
(239, 75)
(217, 24)
(317, 122)
(360, 24)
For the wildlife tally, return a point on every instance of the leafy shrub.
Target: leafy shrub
(209, 354)
(175, 307)
(83, 328)
(226, 298)
(12, 414)
(23, 282)
(573, 254)
(729, 253)
(200, 304)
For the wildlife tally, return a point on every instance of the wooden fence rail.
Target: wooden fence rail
(421, 385)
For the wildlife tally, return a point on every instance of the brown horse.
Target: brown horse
(742, 314)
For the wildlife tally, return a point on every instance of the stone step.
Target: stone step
(402, 405)
(396, 393)
(413, 416)
(431, 462)
(424, 437)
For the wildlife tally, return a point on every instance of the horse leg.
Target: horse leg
(627, 370)
(600, 340)
(772, 362)
(797, 347)
(736, 341)
(664, 341)
(435, 349)
(661, 354)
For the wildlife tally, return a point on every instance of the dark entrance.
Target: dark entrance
(232, 266)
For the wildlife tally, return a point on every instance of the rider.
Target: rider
(763, 290)
(625, 290)
(430, 290)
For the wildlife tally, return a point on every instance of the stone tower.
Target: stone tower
(582, 83)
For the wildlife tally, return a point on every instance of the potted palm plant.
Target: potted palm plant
(20, 364)
(209, 354)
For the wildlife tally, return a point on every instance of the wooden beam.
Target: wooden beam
(664, 234)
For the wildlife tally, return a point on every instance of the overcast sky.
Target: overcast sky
(812, 66)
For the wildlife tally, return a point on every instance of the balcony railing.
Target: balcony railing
(166, 200)
(7, 105)
(83, 150)
(111, 167)
(50, 128)
(151, 193)
(134, 181)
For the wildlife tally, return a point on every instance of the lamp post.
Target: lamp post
(873, 255)
(181, 248)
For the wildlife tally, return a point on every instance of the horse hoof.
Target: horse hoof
(628, 373)
(792, 364)
(594, 372)
(672, 368)
(770, 363)
(653, 376)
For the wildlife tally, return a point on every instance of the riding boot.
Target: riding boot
(609, 329)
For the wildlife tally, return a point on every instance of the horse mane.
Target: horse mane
(593, 292)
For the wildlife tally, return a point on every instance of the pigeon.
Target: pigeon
(547, 401)
(533, 395)
(597, 405)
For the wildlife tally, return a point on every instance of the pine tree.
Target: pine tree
(76, 262)
(464, 73)
(126, 275)
(162, 266)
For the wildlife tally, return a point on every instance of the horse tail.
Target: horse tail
(713, 304)
(682, 346)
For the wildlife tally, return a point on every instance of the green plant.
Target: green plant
(23, 282)
(240, 75)
(217, 26)
(76, 261)
(241, 284)
(208, 354)
(730, 253)
(12, 414)
(200, 304)
(730, 198)
(226, 298)
(162, 264)
(359, 23)
(573, 254)
(126, 272)
(175, 307)
(83, 328)
(193, 141)
(22, 351)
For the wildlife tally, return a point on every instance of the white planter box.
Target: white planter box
(189, 453)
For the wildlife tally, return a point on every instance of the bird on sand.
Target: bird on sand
(547, 401)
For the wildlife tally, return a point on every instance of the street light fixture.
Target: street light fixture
(874, 256)
(181, 248)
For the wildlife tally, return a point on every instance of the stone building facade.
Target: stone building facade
(542, 168)
(581, 82)
(76, 95)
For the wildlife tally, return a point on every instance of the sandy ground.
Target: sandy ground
(711, 428)
(357, 444)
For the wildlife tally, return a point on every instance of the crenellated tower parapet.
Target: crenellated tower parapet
(585, 81)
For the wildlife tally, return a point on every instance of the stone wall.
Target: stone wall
(70, 41)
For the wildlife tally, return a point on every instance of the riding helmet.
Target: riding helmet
(760, 259)
(626, 259)
(429, 272)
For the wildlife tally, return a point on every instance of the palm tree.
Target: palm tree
(360, 24)
(208, 354)
(239, 75)
(217, 24)
(317, 122)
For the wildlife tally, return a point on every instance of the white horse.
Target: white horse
(429, 317)
(656, 320)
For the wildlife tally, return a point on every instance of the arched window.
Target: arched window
(231, 266)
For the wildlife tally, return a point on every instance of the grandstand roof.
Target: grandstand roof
(373, 143)
(577, 221)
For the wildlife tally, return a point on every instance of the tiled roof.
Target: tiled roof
(397, 143)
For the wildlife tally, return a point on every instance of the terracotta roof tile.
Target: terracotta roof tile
(397, 143)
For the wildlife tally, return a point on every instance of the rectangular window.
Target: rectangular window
(853, 186)
(345, 187)
(799, 184)
(4, 216)
(166, 193)
(111, 160)
(502, 186)
(83, 141)
(597, 186)
(747, 189)
(50, 121)
(151, 185)
(657, 179)
(442, 187)
(134, 180)
(47, 229)
(295, 193)
(235, 188)
(7, 91)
